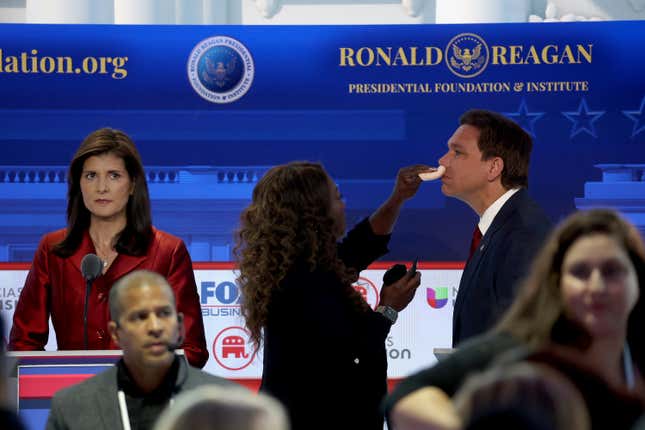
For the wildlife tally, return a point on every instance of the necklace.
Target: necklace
(106, 259)
(106, 253)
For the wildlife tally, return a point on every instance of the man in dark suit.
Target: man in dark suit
(487, 167)
(145, 324)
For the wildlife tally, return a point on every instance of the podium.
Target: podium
(34, 377)
(441, 353)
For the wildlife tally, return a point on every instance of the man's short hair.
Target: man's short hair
(136, 279)
(504, 138)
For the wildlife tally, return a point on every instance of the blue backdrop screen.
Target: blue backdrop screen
(210, 108)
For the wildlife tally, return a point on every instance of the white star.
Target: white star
(583, 119)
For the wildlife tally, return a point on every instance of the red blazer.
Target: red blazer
(55, 286)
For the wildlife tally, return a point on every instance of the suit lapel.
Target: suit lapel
(504, 213)
(122, 265)
(86, 247)
(467, 278)
(470, 269)
(106, 401)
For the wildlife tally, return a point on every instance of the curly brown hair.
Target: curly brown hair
(287, 224)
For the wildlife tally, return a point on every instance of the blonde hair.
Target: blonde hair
(214, 407)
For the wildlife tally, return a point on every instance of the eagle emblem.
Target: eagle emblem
(468, 60)
(466, 55)
(219, 72)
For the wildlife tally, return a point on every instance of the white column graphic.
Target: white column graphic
(469, 11)
(216, 12)
(189, 12)
(70, 11)
(144, 11)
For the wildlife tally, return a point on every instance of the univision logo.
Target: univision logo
(437, 297)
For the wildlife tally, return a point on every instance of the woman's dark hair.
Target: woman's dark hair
(135, 237)
(537, 316)
(287, 224)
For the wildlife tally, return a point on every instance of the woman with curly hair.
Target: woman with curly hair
(324, 347)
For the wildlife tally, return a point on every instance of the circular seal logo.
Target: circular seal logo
(466, 55)
(368, 291)
(232, 348)
(220, 69)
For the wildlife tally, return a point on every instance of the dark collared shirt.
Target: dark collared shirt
(145, 408)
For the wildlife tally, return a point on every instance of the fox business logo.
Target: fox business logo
(220, 69)
(466, 55)
(220, 299)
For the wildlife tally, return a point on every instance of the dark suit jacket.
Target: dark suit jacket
(490, 278)
(55, 286)
(323, 359)
(93, 403)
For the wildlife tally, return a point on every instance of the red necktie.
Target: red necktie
(477, 237)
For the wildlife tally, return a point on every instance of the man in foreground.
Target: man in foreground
(131, 395)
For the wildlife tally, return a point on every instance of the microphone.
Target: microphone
(393, 274)
(172, 347)
(91, 268)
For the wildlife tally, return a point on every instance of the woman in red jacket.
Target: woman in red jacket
(108, 214)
